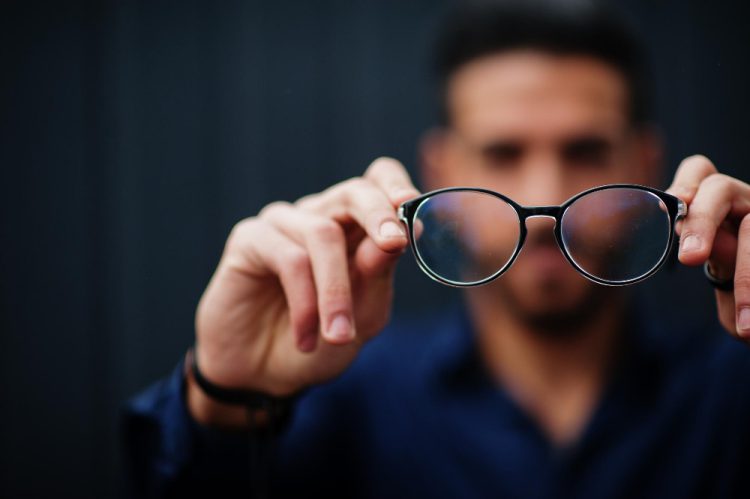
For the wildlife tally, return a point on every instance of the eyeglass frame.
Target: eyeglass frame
(676, 209)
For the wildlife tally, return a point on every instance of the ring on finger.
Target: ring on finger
(720, 284)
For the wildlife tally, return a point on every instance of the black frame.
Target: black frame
(676, 209)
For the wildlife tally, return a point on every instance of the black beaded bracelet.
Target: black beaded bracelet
(276, 406)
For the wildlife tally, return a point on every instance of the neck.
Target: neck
(557, 379)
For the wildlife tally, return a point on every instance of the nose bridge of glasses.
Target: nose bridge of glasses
(541, 211)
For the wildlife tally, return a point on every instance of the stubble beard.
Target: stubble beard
(553, 321)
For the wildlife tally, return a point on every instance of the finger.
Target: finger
(689, 175)
(374, 291)
(727, 311)
(393, 179)
(742, 279)
(287, 260)
(371, 262)
(360, 200)
(325, 243)
(721, 265)
(708, 210)
(724, 251)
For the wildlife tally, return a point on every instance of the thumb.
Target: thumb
(371, 262)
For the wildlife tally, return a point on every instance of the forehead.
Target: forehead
(528, 92)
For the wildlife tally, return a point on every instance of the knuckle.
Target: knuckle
(717, 181)
(384, 165)
(346, 190)
(296, 261)
(354, 183)
(327, 230)
(274, 209)
(742, 282)
(242, 235)
(686, 192)
(336, 295)
(311, 202)
(243, 227)
(700, 162)
(697, 218)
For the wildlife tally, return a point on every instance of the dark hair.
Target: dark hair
(582, 27)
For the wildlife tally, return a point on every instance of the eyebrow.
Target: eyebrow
(587, 144)
(506, 147)
(592, 141)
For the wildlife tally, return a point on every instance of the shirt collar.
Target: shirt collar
(644, 344)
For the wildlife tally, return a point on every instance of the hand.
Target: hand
(717, 229)
(301, 287)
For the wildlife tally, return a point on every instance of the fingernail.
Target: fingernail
(390, 228)
(743, 322)
(340, 329)
(691, 243)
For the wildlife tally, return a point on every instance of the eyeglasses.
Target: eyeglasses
(613, 234)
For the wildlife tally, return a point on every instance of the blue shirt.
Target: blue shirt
(416, 415)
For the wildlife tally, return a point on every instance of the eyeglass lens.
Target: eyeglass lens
(615, 235)
(466, 236)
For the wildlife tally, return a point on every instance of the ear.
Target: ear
(649, 155)
(433, 158)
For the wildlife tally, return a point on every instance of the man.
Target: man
(543, 383)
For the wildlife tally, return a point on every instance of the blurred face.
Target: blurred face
(538, 128)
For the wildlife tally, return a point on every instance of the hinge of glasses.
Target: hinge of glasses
(681, 208)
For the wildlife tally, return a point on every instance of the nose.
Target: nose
(543, 182)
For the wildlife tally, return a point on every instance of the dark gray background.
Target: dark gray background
(135, 134)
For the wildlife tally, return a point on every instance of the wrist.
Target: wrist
(231, 408)
(208, 411)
